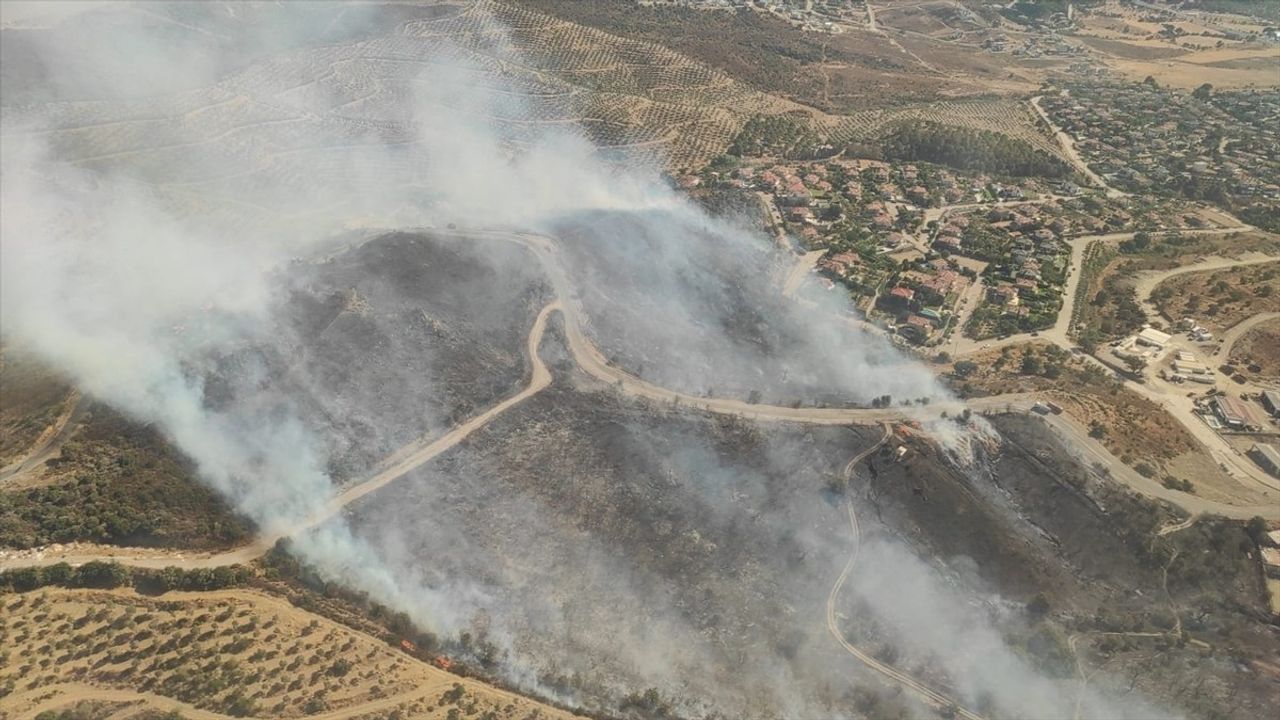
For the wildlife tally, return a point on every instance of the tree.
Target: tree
(1257, 530)
(1139, 242)
(1097, 430)
(1203, 92)
(59, 574)
(1134, 363)
(1032, 364)
(1039, 606)
(100, 574)
(965, 368)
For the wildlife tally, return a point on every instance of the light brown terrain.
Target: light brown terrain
(220, 654)
(1126, 39)
(1259, 348)
(1220, 299)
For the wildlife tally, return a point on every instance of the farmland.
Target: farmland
(233, 652)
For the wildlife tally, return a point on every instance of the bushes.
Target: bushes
(98, 574)
(123, 484)
(972, 150)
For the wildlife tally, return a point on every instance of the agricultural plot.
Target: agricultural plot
(1007, 117)
(229, 652)
(311, 118)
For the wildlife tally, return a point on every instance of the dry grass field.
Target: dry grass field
(1220, 299)
(1207, 47)
(1259, 347)
(225, 653)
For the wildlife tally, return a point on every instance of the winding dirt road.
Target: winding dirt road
(1230, 337)
(591, 361)
(923, 691)
(1148, 282)
(51, 442)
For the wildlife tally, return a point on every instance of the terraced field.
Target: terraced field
(322, 120)
(219, 654)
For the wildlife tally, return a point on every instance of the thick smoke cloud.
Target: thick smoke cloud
(131, 270)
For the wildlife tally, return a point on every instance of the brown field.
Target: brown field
(1220, 299)
(1125, 38)
(1184, 72)
(1259, 347)
(217, 654)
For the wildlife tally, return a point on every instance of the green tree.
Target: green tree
(1257, 530)
(1032, 364)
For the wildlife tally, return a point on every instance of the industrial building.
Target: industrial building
(1235, 413)
(1267, 457)
(1153, 338)
(1271, 401)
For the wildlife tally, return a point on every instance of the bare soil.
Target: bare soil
(231, 652)
(1260, 348)
(1220, 299)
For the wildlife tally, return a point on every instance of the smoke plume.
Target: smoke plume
(168, 196)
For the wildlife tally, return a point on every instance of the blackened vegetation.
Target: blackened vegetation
(1084, 555)
(602, 526)
(404, 335)
(973, 150)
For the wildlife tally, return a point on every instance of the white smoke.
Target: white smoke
(124, 282)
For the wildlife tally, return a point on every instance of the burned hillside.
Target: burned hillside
(399, 337)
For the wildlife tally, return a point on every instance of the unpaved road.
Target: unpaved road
(590, 360)
(1068, 144)
(52, 440)
(1238, 330)
(1148, 282)
(1060, 332)
(924, 692)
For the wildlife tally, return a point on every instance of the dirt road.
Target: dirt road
(590, 360)
(1068, 144)
(51, 441)
(1229, 338)
(399, 463)
(1060, 332)
(929, 695)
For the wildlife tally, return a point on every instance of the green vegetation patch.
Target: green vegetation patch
(971, 150)
(119, 483)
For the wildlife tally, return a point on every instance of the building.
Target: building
(1153, 338)
(1267, 457)
(1234, 413)
(1271, 401)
